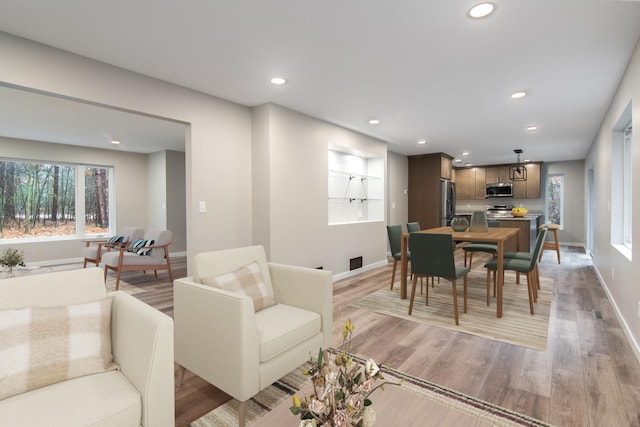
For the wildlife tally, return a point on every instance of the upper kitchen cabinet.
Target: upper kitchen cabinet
(470, 183)
(446, 170)
(529, 189)
(496, 174)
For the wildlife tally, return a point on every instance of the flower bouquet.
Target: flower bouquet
(341, 389)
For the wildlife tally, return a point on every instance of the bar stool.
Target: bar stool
(555, 245)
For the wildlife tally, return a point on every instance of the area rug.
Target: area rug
(517, 325)
(226, 415)
(124, 286)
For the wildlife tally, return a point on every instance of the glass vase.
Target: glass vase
(459, 223)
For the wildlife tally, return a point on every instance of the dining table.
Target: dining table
(497, 235)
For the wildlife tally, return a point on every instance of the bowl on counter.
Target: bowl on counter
(519, 212)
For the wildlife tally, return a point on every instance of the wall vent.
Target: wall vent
(355, 263)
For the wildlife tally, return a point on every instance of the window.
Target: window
(621, 184)
(41, 200)
(554, 199)
(626, 188)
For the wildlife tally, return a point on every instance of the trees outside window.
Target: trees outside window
(40, 200)
(554, 199)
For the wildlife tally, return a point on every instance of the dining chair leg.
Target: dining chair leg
(413, 293)
(455, 300)
(393, 273)
(530, 290)
(488, 286)
(465, 292)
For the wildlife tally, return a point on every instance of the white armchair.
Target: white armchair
(220, 337)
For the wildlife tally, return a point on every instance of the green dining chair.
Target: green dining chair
(432, 255)
(521, 265)
(394, 232)
(527, 256)
(488, 247)
(412, 227)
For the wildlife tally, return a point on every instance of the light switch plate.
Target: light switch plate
(203, 207)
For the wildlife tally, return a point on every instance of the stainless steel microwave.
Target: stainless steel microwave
(499, 189)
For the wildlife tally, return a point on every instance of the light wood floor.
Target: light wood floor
(588, 376)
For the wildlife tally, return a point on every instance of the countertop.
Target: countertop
(527, 217)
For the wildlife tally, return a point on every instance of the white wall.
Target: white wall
(128, 168)
(157, 191)
(218, 139)
(291, 155)
(619, 275)
(397, 183)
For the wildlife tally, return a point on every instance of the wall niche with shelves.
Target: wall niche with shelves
(356, 188)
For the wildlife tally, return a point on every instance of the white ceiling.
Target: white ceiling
(424, 68)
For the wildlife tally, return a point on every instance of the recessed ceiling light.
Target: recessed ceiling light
(533, 128)
(457, 160)
(467, 164)
(518, 95)
(465, 153)
(527, 160)
(115, 142)
(481, 10)
(278, 81)
(422, 141)
(374, 122)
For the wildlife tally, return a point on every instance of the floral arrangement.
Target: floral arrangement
(12, 257)
(341, 389)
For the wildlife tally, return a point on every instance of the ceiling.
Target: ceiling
(423, 68)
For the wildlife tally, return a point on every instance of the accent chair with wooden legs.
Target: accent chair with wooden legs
(150, 253)
(241, 323)
(93, 250)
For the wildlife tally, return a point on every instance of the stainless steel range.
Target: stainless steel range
(499, 211)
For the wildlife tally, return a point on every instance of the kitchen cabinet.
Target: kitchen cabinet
(445, 167)
(496, 174)
(425, 173)
(470, 183)
(529, 189)
(479, 176)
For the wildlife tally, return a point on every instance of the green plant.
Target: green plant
(12, 257)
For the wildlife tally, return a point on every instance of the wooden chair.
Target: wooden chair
(432, 255)
(92, 252)
(150, 253)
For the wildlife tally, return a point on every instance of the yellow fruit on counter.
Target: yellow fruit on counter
(519, 211)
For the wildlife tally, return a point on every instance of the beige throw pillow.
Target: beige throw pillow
(40, 346)
(247, 280)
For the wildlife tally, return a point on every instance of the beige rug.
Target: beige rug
(445, 399)
(124, 286)
(517, 326)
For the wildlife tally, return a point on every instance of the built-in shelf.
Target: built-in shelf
(356, 188)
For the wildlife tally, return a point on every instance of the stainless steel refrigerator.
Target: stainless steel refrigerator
(447, 202)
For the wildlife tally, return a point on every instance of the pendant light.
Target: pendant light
(518, 172)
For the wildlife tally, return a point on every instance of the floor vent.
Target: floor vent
(597, 315)
(355, 263)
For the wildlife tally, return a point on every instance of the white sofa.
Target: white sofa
(220, 337)
(140, 393)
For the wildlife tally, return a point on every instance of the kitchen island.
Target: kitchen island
(528, 226)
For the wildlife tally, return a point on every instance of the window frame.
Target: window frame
(79, 202)
(559, 176)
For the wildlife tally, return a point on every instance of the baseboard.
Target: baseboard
(625, 327)
(357, 271)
